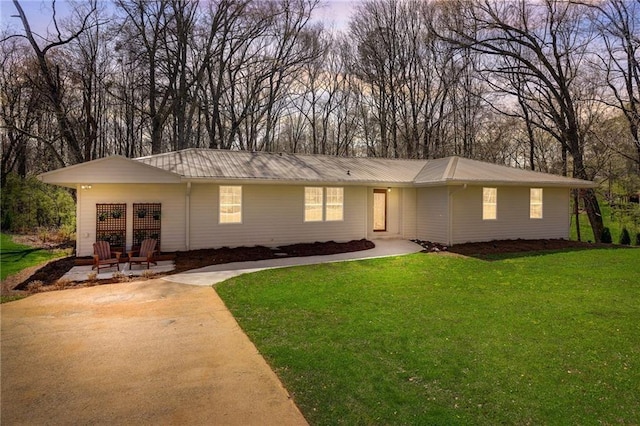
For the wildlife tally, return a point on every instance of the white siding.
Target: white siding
(172, 197)
(409, 210)
(432, 214)
(513, 220)
(272, 215)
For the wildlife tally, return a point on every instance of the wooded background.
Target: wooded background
(545, 85)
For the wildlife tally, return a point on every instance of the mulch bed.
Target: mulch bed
(50, 273)
(487, 250)
(200, 258)
(523, 246)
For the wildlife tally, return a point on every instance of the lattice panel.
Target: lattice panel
(147, 220)
(111, 225)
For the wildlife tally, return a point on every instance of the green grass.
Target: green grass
(432, 339)
(615, 223)
(16, 257)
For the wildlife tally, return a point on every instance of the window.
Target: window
(535, 203)
(489, 203)
(313, 204)
(230, 204)
(335, 204)
(323, 204)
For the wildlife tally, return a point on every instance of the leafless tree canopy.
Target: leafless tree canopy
(548, 85)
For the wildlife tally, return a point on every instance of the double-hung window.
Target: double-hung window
(535, 203)
(313, 197)
(323, 204)
(335, 204)
(489, 203)
(230, 204)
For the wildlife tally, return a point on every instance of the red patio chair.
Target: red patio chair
(145, 254)
(103, 257)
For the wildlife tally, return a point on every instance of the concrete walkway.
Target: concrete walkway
(213, 274)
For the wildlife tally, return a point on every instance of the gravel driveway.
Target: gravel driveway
(151, 352)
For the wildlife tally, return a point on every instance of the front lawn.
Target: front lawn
(16, 257)
(439, 339)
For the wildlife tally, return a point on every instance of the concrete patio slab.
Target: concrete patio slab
(213, 274)
(81, 273)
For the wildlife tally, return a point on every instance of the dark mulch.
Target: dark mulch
(49, 273)
(200, 258)
(185, 261)
(488, 249)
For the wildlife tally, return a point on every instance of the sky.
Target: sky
(334, 13)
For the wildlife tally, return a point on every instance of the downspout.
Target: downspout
(450, 230)
(187, 221)
(79, 230)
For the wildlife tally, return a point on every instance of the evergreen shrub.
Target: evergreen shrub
(625, 237)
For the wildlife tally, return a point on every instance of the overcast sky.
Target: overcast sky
(334, 13)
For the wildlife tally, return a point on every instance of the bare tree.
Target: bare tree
(19, 110)
(618, 23)
(546, 43)
(50, 75)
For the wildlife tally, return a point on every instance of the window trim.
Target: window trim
(326, 204)
(486, 204)
(220, 205)
(304, 212)
(536, 203)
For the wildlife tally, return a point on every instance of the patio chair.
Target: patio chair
(103, 257)
(145, 254)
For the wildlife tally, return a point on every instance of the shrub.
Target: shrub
(35, 286)
(606, 236)
(120, 277)
(63, 283)
(147, 273)
(625, 238)
(638, 239)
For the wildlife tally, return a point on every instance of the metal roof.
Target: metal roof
(244, 165)
(211, 164)
(458, 170)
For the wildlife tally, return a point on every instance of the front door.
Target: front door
(379, 210)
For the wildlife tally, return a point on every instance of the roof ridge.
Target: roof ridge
(279, 153)
(450, 171)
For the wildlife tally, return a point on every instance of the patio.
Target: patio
(81, 273)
